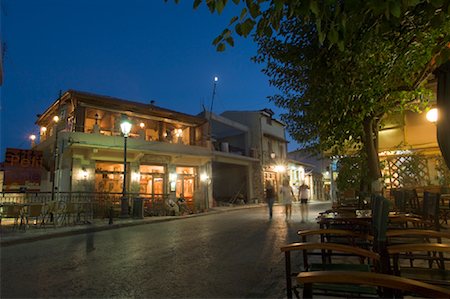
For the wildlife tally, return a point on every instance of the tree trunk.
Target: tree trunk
(371, 148)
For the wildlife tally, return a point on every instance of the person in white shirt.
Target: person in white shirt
(303, 194)
(287, 195)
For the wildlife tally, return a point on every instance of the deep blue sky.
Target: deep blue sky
(139, 50)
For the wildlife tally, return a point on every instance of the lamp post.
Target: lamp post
(33, 138)
(55, 154)
(125, 126)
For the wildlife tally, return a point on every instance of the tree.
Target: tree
(342, 65)
(337, 98)
(336, 21)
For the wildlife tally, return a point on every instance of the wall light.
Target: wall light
(204, 177)
(280, 168)
(84, 173)
(432, 115)
(173, 181)
(172, 177)
(43, 130)
(178, 132)
(142, 125)
(135, 176)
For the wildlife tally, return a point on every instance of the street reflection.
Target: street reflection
(90, 242)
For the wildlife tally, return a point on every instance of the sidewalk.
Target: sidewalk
(17, 236)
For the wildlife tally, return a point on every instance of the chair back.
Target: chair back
(380, 217)
(412, 200)
(11, 211)
(35, 210)
(400, 200)
(430, 208)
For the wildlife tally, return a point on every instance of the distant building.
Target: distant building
(259, 137)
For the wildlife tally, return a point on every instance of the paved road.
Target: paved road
(228, 255)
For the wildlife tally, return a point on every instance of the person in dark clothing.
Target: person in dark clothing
(270, 197)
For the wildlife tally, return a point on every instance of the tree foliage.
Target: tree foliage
(336, 21)
(336, 97)
(341, 65)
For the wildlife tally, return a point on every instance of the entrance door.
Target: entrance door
(186, 183)
(152, 181)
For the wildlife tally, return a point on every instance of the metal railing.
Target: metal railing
(91, 204)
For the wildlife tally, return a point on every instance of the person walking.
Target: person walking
(303, 194)
(270, 197)
(287, 195)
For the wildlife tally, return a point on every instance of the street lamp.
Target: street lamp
(432, 115)
(125, 126)
(55, 154)
(33, 138)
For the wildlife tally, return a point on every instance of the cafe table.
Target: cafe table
(356, 218)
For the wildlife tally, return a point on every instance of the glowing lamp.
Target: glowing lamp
(432, 115)
(125, 126)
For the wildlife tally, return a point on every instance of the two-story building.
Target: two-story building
(266, 142)
(167, 153)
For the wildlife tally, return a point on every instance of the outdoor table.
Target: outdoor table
(358, 217)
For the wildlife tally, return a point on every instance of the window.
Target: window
(186, 178)
(151, 181)
(108, 177)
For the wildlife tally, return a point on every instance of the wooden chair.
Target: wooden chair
(444, 209)
(12, 211)
(70, 213)
(428, 265)
(382, 282)
(34, 211)
(364, 260)
(49, 212)
(372, 237)
(430, 211)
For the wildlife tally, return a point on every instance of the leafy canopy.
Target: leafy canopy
(336, 21)
(329, 92)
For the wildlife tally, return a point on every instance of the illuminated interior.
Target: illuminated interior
(152, 180)
(186, 177)
(108, 177)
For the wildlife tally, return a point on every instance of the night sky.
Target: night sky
(139, 50)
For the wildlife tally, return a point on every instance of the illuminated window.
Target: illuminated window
(186, 182)
(108, 177)
(152, 180)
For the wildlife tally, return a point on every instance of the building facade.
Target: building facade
(167, 153)
(266, 143)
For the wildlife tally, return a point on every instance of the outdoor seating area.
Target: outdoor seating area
(38, 210)
(374, 247)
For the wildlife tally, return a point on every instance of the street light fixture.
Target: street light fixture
(33, 138)
(432, 115)
(125, 127)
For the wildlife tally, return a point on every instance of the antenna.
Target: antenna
(212, 102)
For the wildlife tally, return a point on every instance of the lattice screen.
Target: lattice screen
(406, 171)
